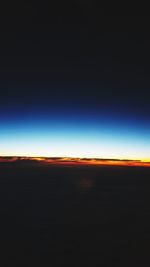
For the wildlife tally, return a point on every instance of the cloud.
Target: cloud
(74, 161)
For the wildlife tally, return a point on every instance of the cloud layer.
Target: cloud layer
(74, 161)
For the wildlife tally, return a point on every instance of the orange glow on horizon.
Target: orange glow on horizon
(77, 161)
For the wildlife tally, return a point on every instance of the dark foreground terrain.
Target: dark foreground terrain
(74, 216)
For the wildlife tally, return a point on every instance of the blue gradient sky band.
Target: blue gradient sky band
(73, 133)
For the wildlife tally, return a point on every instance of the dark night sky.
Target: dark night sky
(74, 60)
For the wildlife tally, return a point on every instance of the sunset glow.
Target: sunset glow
(76, 161)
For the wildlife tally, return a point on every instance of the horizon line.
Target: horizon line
(76, 161)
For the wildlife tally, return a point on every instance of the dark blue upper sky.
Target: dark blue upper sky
(74, 83)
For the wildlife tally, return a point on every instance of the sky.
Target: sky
(74, 83)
